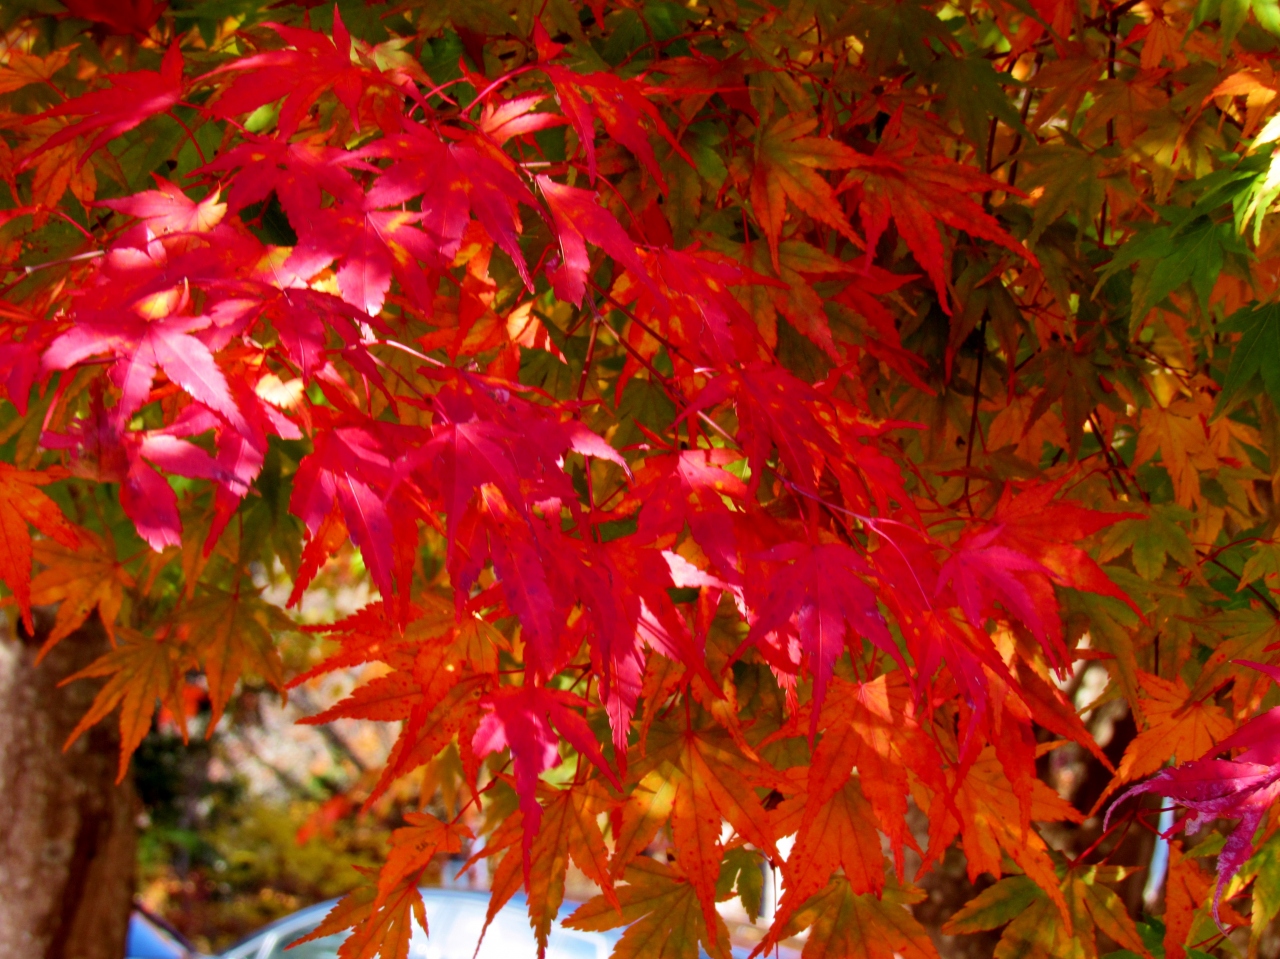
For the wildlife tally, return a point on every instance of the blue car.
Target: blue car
(149, 938)
(456, 917)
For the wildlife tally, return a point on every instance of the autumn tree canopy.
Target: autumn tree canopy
(749, 417)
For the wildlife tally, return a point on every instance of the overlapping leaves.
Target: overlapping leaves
(681, 547)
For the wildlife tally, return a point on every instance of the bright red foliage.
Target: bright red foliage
(706, 404)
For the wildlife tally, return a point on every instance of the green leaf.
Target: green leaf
(972, 91)
(209, 15)
(890, 31)
(1107, 910)
(1196, 255)
(1246, 634)
(1153, 539)
(1265, 865)
(663, 913)
(1072, 180)
(995, 906)
(741, 873)
(1039, 931)
(1263, 560)
(1232, 14)
(1257, 354)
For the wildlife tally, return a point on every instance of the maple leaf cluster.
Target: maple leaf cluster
(755, 424)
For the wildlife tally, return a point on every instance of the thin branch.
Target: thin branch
(1275, 611)
(977, 397)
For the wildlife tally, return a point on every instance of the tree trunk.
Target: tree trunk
(68, 839)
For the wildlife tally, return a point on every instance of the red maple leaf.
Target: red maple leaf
(624, 592)
(303, 318)
(1032, 544)
(816, 600)
(515, 117)
(621, 106)
(690, 487)
(526, 720)
(1050, 530)
(167, 209)
(312, 64)
(133, 98)
(370, 246)
(296, 171)
(120, 17)
(496, 529)
(691, 301)
(454, 180)
(349, 467)
(579, 219)
(980, 571)
(811, 432)
(101, 450)
(144, 345)
(919, 192)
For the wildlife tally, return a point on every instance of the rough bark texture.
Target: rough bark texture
(67, 834)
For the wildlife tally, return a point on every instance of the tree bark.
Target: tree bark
(68, 838)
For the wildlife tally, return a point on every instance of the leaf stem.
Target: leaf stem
(204, 161)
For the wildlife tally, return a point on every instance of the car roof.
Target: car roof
(430, 894)
(320, 909)
(147, 939)
(439, 896)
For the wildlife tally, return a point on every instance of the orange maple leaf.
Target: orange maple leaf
(569, 829)
(79, 580)
(869, 927)
(21, 68)
(233, 631)
(1176, 729)
(412, 849)
(383, 929)
(787, 161)
(22, 502)
(991, 825)
(140, 671)
(838, 832)
(714, 784)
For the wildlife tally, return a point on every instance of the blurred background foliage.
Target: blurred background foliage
(258, 819)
